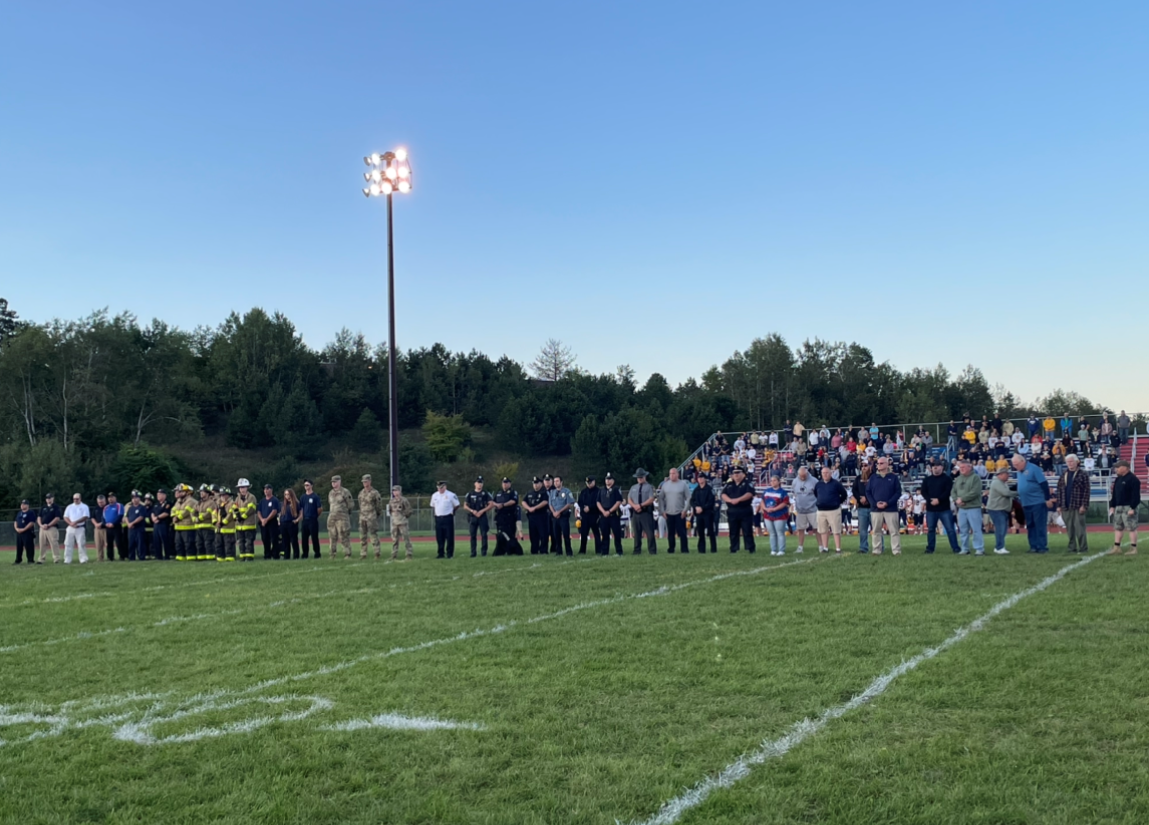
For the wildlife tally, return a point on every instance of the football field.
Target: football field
(717, 689)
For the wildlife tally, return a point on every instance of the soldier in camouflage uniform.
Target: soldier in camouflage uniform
(370, 511)
(400, 509)
(339, 517)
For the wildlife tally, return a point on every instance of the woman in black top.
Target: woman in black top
(289, 524)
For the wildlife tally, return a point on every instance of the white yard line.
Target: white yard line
(136, 724)
(799, 732)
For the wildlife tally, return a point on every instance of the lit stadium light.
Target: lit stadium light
(400, 154)
(386, 187)
(404, 186)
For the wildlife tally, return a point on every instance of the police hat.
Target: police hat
(479, 479)
(548, 477)
(506, 480)
(161, 490)
(640, 473)
(25, 501)
(49, 495)
(536, 480)
(609, 477)
(440, 484)
(737, 469)
(589, 479)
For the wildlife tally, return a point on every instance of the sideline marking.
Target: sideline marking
(63, 719)
(396, 721)
(798, 733)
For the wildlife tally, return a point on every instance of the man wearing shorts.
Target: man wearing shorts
(805, 506)
(1123, 503)
(829, 495)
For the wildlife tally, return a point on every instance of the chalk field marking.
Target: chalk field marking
(170, 620)
(798, 733)
(395, 721)
(65, 718)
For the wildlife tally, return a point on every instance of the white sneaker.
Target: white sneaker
(797, 549)
(1001, 552)
(823, 549)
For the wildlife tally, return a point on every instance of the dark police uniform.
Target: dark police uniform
(610, 524)
(505, 542)
(149, 526)
(311, 505)
(740, 516)
(477, 501)
(163, 539)
(538, 522)
(706, 522)
(137, 534)
(588, 517)
(26, 541)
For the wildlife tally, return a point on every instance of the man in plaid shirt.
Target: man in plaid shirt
(1073, 502)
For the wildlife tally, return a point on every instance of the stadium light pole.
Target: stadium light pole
(390, 172)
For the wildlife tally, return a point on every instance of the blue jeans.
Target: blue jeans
(1000, 527)
(1036, 525)
(776, 529)
(947, 520)
(969, 520)
(864, 532)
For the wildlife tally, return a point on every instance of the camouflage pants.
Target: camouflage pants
(368, 534)
(339, 533)
(400, 532)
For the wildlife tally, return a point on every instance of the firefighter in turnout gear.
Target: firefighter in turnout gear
(204, 530)
(183, 516)
(225, 516)
(245, 526)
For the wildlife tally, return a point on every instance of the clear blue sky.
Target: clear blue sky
(653, 183)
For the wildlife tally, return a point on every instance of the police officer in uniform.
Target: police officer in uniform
(536, 503)
(477, 504)
(739, 497)
(25, 525)
(506, 506)
(163, 542)
(641, 500)
(149, 526)
(562, 501)
(704, 507)
(610, 521)
(588, 515)
(134, 519)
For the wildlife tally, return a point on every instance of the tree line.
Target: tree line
(99, 398)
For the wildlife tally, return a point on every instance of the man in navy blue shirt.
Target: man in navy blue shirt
(268, 511)
(49, 520)
(134, 519)
(25, 531)
(311, 505)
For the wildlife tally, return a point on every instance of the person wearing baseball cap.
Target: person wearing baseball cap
(641, 500)
(48, 521)
(999, 505)
(739, 497)
(610, 516)
(536, 503)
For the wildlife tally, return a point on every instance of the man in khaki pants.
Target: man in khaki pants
(99, 534)
(883, 490)
(48, 521)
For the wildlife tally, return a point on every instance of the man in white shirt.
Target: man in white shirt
(444, 503)
(76, 516)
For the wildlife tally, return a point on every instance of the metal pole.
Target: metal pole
(393, 395)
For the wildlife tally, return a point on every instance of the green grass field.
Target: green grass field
(589, 690)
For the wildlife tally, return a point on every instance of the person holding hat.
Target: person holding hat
(134, 519)
(245, 525)
(400, 511)
(48, 521)
(610, 517)
(641, 500)
(999, 505)
(370, 511)
(705, 508)
(76, 516)
(477, 504)
(588, 515)
(339, 517)
(739, 496)
(268, 512)
(562, 501)
(536, 503)
(25, 525)
(673, 500)
(506, 506)
(163, 540)
(226, 518)
(444, 503)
